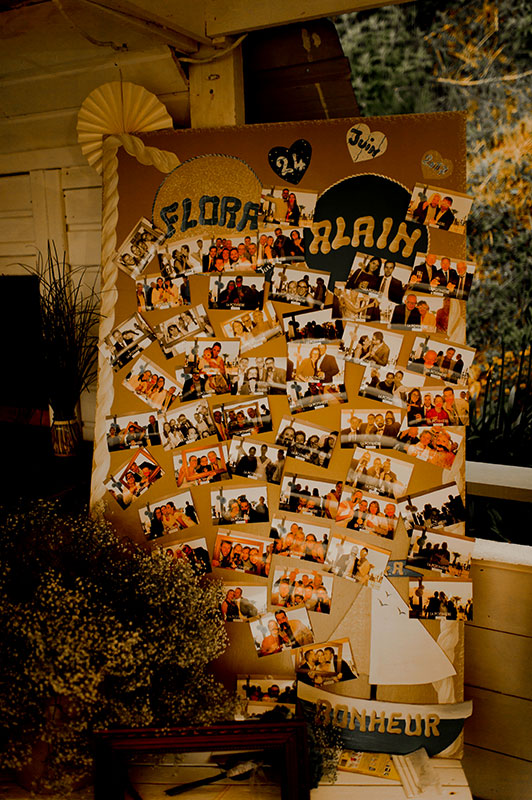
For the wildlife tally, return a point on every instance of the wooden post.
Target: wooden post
(217, 92)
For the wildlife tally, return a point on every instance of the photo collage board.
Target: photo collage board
(289, 384)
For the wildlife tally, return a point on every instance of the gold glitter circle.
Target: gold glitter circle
(213, 175)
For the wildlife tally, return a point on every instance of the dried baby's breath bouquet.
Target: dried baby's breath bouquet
(97, 633)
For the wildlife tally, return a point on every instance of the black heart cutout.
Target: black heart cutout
(291, 163)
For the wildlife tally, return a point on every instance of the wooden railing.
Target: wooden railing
(498, 648)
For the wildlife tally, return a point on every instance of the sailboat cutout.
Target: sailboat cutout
(402, 652)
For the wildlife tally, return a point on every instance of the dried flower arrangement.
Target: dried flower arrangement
(97, 633)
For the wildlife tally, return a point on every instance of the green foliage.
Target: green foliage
(500, 427)
(69, 319)
(97, 633)
(454, 55)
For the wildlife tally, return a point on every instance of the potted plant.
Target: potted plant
(69, 326)
(96, 633)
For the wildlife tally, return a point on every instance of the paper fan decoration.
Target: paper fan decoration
(117, 108)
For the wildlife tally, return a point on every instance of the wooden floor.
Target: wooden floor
(151, 781)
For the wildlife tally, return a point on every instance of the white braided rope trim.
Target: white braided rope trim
(164, 162)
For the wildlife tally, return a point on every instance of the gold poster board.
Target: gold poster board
(229, 185)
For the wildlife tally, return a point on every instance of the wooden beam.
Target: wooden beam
(239, 16)
(217, 92)
(499, 480)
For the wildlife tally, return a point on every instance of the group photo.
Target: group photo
(443, 405)
(242, 418)
(380, 474)
(152, 385)
(315, 324)
(300, 285)
(193, 551)
(256, 459)
(188, 423)
(174, 331)
(134, 478)
(306, 441)
(370, 427)
(281, 630)
(365, 344)
(296, 537)
(133, 430)
(440, 599)
(389, 385)
(241, 552)
(354, 559)
(240, 504)
(244, 602)
(360, 511)
(126, 341)
(301, 494)
(294, 588)
(199, 465)
(326, 663)
(437, 445)
(437, 508)
(437, 208)
(138, 248)
(260, 375)
(168, 515)
(444, 552)
(253, 328)
(450, 361)
(435, 274)
(236, 291)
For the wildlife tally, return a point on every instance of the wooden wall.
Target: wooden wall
(498, 652)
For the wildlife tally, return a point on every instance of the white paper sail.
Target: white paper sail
(402, 652)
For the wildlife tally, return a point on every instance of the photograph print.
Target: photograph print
(256, 459)
(152, 385)
(306, 441)
(301, 494)
(138, 248)
(241, 552)
(198, 465)
(134, 478)
(444, 553)
(356, 560)
(281, 244)
(295, 588)
(437, 508)
(192, 550)
(242, 418)
(326, 663)
(440, 405)
(450, 361)
(359, 510)
(243, 602)
(379, 473)
(155, 293)
(188, 423)
(315, 362)
(260, 375)
(434, 274)
(236, 291)
(366, 344)
(253, 328)
(436, 445)
(390, 386)
(299, 537)
(132, 430)
(287, 206)
(372, 428)
(181, 258)
(376, 276)
(126, 341)
(240, 505)
(174, 331)
(315, 324)
(439, 208)
(283, 629)
(259, 693)
(211, 367)
(300, 285)
(440, 599)
(168, 515)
